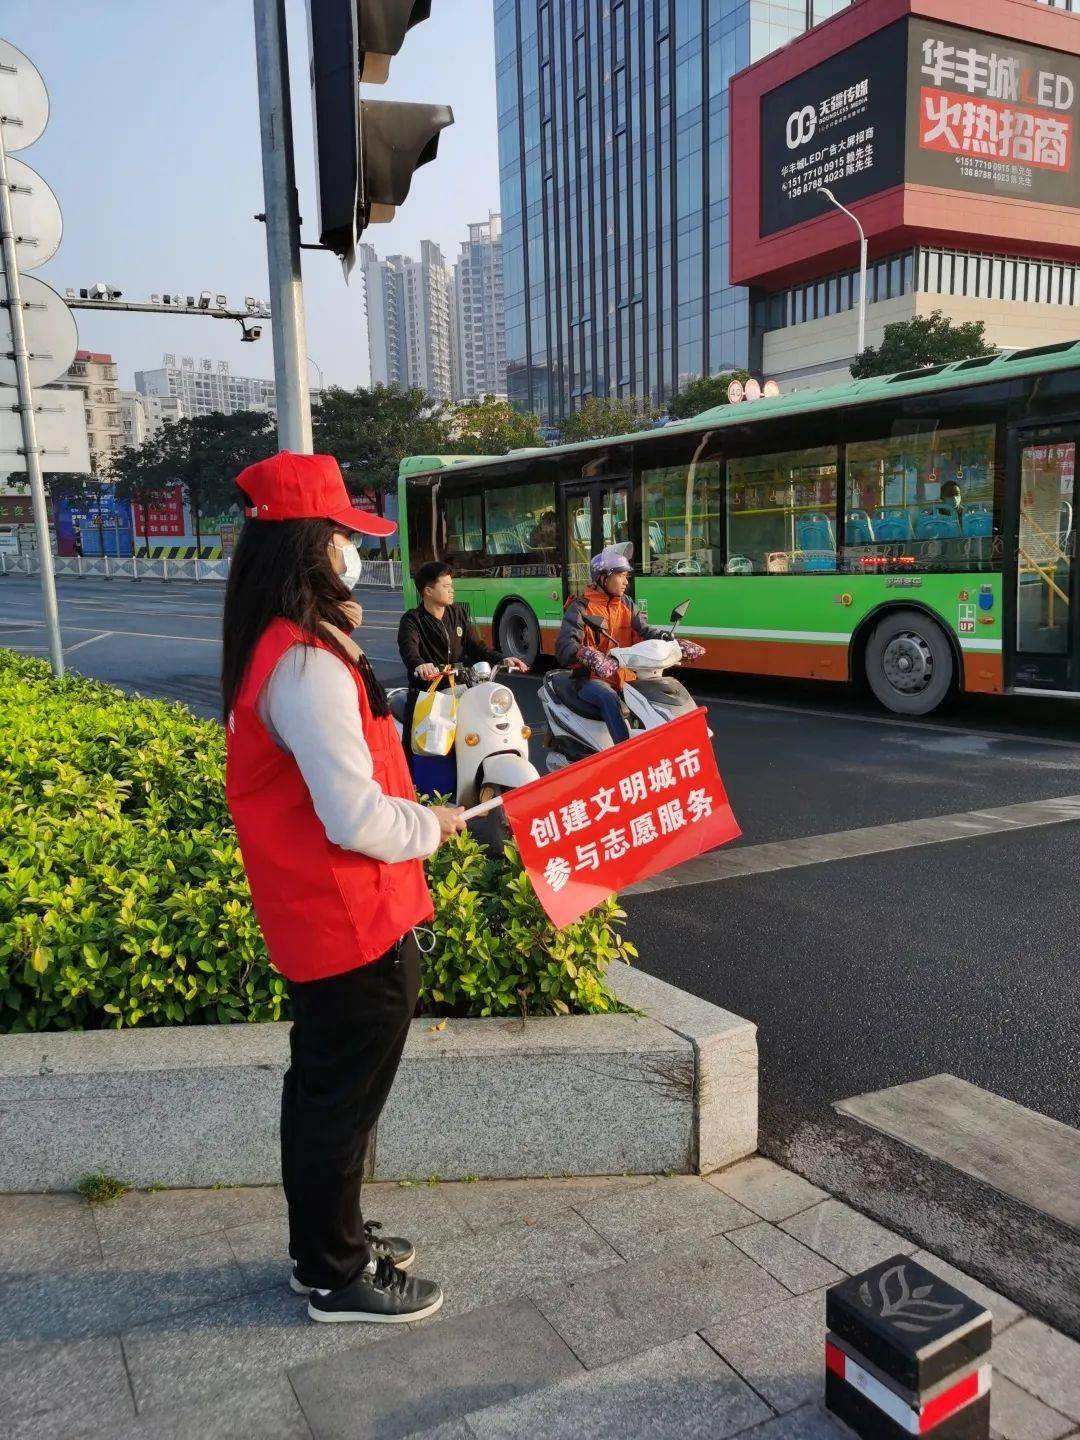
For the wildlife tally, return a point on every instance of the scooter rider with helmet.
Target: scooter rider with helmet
(586, 652)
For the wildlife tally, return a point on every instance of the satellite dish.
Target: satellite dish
(753, 389)
(735, 392)
(51, 334)
(24, 101)
(35, 211)
(770, 388)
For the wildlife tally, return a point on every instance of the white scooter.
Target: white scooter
(491, 748)
(652, 700)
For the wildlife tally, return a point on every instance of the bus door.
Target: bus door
(1045, 584)
(596, 513)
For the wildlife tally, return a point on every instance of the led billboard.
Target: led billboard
(921, 103)
(841, 124)
(991, 115)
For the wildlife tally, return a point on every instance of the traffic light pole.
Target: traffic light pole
(25, 392)
(282, 229)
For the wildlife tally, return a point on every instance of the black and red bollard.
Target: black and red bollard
(907, 1354)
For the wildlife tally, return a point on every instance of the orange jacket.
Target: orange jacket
(622, 619)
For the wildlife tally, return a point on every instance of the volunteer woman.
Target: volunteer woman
(433, 635)
(333, 843)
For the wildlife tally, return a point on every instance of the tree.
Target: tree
(140, 476)
(205, 453)
(924, 340)
(67, 486)
(488, 426)
(704, 393)
(371, 431)
(599, 417)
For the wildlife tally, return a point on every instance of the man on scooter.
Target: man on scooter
(585, 651)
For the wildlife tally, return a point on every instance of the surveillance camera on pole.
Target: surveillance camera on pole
(366, 151)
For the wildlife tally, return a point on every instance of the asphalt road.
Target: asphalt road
(861, 973)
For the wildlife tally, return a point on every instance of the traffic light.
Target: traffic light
(366, 151)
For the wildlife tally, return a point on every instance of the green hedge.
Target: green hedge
(123, 899)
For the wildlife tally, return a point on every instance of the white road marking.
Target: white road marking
(870, 840)
(102, 635)
(134, 634)
(149, 635)
(1015, 1150)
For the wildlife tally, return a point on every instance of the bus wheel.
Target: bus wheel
(519, 634)
(909, 663)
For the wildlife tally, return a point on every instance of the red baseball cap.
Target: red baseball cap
(305, 487)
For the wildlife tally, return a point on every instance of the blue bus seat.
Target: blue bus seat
(815, 532)
(858, 529)
(978, 521)
(892, 525)
(937, 524)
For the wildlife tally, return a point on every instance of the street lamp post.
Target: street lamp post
(823, 190)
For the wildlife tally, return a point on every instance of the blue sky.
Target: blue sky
(153, 151)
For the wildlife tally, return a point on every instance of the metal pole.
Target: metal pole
(25, 393)
(823, 190)
(282, 229)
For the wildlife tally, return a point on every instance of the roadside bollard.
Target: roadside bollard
(907, 1354)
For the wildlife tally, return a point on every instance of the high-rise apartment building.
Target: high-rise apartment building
(613, 144)
(205, 387)
(143, 416)
(95, 375)
(408, 319)
(455, 338)
(479, 342)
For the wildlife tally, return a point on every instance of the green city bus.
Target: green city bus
(816, 534)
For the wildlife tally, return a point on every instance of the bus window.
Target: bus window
(521, 520)
(423, 524)
(681, 520)
(464, 525)
(780, 511)
(923, 500)
(1045, 549)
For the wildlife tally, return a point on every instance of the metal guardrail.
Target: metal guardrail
(130, 567)
(381, 572)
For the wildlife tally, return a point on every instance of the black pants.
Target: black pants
(345, 1045)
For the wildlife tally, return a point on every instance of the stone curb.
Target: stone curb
(671, 1089)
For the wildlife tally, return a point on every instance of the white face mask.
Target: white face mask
(353, 564)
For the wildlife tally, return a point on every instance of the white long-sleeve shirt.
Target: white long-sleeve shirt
(309, 707)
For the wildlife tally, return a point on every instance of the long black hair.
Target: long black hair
(281, 569)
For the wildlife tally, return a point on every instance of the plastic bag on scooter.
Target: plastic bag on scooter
(434, 728)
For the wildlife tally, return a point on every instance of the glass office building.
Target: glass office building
(613, 144)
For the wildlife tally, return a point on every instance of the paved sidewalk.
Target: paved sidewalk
(641, 1307)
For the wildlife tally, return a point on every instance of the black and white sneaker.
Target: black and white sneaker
(381, 1294)
(399, 1251)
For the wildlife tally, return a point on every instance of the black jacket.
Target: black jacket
(423, 640)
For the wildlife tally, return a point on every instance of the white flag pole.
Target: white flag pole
(483, 809)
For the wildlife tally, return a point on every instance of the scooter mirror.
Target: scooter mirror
(679, 611)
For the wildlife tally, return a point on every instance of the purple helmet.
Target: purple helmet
(612, 559)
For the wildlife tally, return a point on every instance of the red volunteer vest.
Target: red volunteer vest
(322, 910)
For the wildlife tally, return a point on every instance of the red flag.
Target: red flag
(644, 806)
